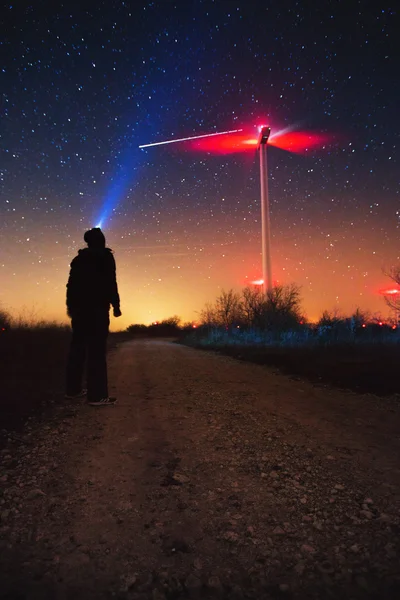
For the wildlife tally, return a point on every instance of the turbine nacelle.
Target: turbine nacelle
(264, 135)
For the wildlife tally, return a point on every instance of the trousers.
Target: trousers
(88, 348)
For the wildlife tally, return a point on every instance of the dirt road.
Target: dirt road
(209, 478)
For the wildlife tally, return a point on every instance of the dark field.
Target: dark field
(362, 368)
(32, 367)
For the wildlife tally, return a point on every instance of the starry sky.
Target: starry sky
(84, 84)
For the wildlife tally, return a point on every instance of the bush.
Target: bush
(167, 328)
(136, 328)
(5, 321)
(279, 310)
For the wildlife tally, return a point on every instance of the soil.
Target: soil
(210, 478)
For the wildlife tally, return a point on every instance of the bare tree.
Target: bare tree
(208, 315)
(360, 316)
(174, 321)
(280, 309)
(284, 297)
(330, 318)
(228, 308)
(253, 305)
(283, 307)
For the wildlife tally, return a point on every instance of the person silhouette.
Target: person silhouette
(91, 289)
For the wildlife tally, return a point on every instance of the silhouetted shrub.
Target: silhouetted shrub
(5, 321)
(136, 328)
(278, 310)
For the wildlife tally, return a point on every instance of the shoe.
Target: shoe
(78, 395)
(103, 402)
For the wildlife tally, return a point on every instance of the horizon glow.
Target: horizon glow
(184, 220)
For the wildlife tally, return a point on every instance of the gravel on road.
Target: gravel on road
(210, 478)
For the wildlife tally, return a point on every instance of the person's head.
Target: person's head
(95, 238)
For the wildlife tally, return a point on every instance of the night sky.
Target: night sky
(84, 84)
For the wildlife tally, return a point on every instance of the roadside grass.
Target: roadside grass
(367, 362)
(32, 364)
(33, 357)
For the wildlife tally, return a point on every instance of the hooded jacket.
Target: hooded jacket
(92, 282)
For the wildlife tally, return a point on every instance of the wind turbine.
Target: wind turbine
(265, 218)
(239, 140)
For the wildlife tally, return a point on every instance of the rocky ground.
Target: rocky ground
(209, 478)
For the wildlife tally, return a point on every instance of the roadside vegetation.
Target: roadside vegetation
(32, 363)
(33, 355)
(359, 352)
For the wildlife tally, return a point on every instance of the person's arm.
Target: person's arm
(114, 295)
(72, 289)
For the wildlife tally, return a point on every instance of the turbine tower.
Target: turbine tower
(265, 220)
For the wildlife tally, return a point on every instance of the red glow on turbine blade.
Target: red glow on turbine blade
(300, 142)
(224, 144)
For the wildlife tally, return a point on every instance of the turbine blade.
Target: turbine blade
(194, 137)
